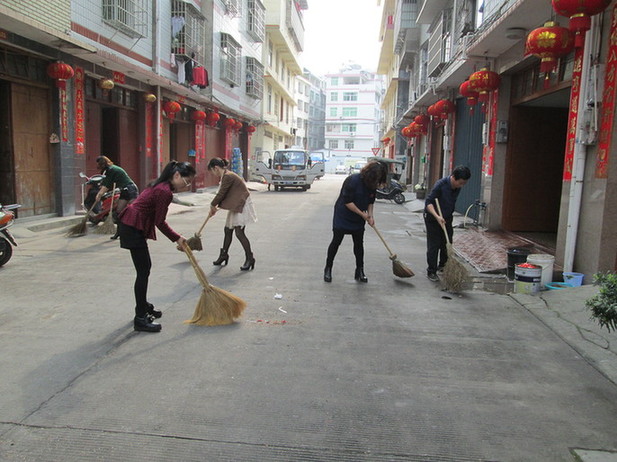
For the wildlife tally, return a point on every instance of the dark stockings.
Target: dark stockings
(244, 241)
(358, 246)
(143, 264)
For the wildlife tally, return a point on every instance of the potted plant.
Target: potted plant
(603, 305)
(420, 191)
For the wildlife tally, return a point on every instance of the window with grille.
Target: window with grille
(230, 59)
(350, 112)
(333, 144)
(232, 7)
(349, 144)
(350, 96)
(187, 31)
(351, 128)
(256, 17)
(127, 16)
(254, 78)
(334, 96)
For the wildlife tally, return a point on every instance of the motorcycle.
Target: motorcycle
(101, 209)
(393, 192)
(7, 241)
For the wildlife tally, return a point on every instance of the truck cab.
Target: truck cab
(289, 168)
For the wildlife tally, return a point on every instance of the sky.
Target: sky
(341, 31)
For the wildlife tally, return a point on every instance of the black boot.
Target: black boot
(223, 258)
(249, 263)
(153, 312)
(327, 274)
(145, 325)
(360, 276)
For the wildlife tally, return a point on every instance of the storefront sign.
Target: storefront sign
(488, 160)
(608, 102)
(80, 132)
(575, 93)
(119, 77)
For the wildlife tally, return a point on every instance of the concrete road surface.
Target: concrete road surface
(392, 370)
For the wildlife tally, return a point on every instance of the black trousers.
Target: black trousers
(436, 244)
(135, 241)
(358, 246)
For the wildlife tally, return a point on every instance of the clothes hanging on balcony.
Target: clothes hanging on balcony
(180, 62)
(200, 77)
(188, 71)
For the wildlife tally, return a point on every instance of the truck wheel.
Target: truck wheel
(304, 188)
(399, 198)
(276, 188)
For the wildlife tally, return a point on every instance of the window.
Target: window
(254, 78)
(187, 31)
(350, 112)
(334, 81)
(270, 53)
(333, 112)
(350, 96)
(334, 96)
(232, 7)
(333, 128)
(349, 144)
(333, 144)
(256, 20)
(128, 16)
(269, 99)
(351, 128)
(230, 59)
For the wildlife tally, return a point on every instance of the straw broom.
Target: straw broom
(398, 268)
(454, 273)
(194, 242)
(81, 228)
(108, 226)
(216, 307)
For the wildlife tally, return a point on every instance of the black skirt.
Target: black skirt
(131, 238)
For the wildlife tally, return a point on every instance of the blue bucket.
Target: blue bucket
(575, 279)
(558, 285)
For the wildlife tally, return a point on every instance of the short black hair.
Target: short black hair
(461, 173)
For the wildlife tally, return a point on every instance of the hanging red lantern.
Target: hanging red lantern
(198, 116)
(171, 108)
(549, 43)
(422, 119)
(470, 95)
(385, 140)
(443, 108)
(483, 82)
(230, 123)
(251, 129)
(238, 125)
(417, 129)
(212, 118)
(407, 132)
(579, 12)
(60, 72)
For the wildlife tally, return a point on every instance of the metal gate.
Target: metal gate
(468, 152)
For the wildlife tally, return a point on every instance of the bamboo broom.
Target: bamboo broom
(398, 268)
(108, 226)
(454, 273)
(194, 242)
(216, 307)
(81, 228)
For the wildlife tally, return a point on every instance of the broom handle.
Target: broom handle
(382, 240)
(204, 225)
(445, 231)
(198, 271)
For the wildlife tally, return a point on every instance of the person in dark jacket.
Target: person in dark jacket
(446, 190)
(354, 208)
(118, 176)
(137, 224)
(234, 196)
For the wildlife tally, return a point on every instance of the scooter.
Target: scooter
(7, 241)
(393, 192)
(101, 209)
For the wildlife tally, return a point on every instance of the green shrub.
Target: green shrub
(603, 305)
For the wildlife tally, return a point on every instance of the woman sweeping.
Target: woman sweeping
(234, 196)
(137, 223)
(354, 208)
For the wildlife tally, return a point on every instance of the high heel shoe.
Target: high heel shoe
(249, 263)
(223, 258)
(327, 274)
(360, 276)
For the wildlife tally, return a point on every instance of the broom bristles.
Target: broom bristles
(216, 307)
(454, 273)
(400, 269)
(108, 226)
(80, 229)
(194, 242)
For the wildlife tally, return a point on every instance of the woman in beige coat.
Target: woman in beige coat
(234, 196)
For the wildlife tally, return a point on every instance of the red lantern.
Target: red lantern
(422, 119)
(483, 82)
(443, 108)
(549, 43)
(230, 123)
(60, 72)
(212, 118)
(470, 95)
(407, 132)
(238, 125)
(198, 116)
(251, 129)
(579, 12)
(417, 129)
(170, 108)
(385, 140)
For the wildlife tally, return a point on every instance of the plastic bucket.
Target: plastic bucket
(516, 255)
(574, 279)
(527, 278)
(546, 261)
(558, 285)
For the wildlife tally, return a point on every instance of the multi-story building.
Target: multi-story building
(353, 115)
(303, 95)
(132, 80)
(540, 147)
(316, 128)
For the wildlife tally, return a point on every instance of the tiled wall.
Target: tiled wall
(56, 14)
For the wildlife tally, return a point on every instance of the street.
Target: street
(392, 370)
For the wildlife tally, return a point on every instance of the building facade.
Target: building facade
(316, 123)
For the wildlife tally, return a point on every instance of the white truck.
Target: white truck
(289, 168)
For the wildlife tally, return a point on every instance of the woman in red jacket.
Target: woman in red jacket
(137, 223)
(234, 196)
